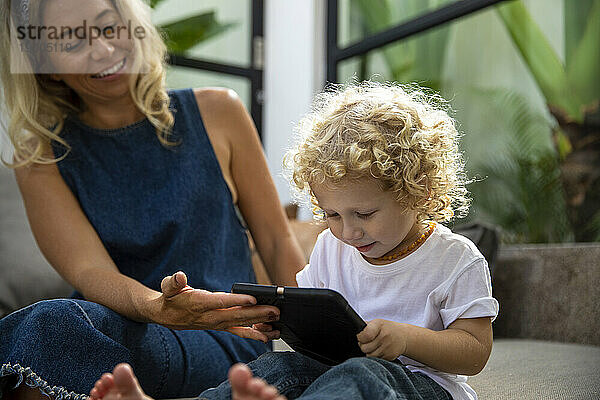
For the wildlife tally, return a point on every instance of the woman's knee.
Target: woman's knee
(56, 318)
(46, 314)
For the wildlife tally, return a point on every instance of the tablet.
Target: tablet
(318, 323)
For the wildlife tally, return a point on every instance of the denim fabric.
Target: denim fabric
(157, 210)
(64, 346)
(299, 377)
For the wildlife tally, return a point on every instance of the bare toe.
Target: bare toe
(127, 384)
(102, 386)
(245, 387)
(269, 393)
(105, 383)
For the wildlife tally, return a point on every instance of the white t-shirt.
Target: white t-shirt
(446, 278)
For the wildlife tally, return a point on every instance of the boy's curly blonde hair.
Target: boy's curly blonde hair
(397, 134)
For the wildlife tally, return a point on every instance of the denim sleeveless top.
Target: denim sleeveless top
(158, 209)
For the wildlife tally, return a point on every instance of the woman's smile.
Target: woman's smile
(111, 72)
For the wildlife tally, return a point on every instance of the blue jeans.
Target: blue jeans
(63, 346)
(299, 377)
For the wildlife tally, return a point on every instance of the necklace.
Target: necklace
(411, 247)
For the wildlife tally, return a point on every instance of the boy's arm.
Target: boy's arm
(463, 348)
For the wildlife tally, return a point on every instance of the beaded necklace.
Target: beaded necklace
(411, 247)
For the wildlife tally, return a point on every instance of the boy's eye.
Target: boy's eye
(365, 215)
(331, 215)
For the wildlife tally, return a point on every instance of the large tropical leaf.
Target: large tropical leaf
(543, 62)
(583, 68)
(186, 33)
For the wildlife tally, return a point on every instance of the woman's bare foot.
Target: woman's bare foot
(245, 387)
(120, 385)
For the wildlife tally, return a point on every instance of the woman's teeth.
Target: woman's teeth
(110, 70)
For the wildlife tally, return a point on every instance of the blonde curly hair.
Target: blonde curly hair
(400, 135)
(37, 105)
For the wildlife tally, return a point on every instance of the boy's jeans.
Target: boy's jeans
(299, 377)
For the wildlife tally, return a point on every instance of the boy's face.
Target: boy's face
(362, 215)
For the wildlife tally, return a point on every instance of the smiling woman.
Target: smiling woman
(126, 185)
(79, 60)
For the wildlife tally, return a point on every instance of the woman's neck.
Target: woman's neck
(110, 116)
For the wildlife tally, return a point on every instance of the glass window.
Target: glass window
(232, 46)
(182, 77)
(359, 18)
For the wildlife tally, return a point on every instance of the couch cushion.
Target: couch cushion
(25, 277)
(529, 369)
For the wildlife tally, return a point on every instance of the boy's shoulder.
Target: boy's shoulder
(450, 238)
(453, 249)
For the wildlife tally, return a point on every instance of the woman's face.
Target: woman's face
(93, 51)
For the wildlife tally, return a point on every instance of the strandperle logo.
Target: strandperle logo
(39, 43)
(81, 32)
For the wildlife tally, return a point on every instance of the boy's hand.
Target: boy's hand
(382, 339)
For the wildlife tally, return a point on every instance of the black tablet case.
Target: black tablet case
(318, 323)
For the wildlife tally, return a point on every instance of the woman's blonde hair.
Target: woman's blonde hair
(37, 105)
(400, 135)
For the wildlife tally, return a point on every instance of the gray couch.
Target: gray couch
(547, 342)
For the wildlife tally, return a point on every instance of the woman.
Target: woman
(125, 184)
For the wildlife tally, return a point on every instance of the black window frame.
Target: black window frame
(422, 23)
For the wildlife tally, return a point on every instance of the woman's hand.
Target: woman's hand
(268, 330)
(182, 307)
(382, 339)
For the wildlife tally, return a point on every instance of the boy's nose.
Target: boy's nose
(351, 232)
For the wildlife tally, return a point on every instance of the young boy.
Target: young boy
(382, 167)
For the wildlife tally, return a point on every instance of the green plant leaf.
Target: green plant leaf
(186, 33)
(583, 70)
(563, 144)
(540, 57)
(576, 13)
(153, 3)
(522, 191)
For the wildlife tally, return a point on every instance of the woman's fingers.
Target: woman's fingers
(248, 333)
(251, 333)
(220, 300)
(240, 316)
(263, 327)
